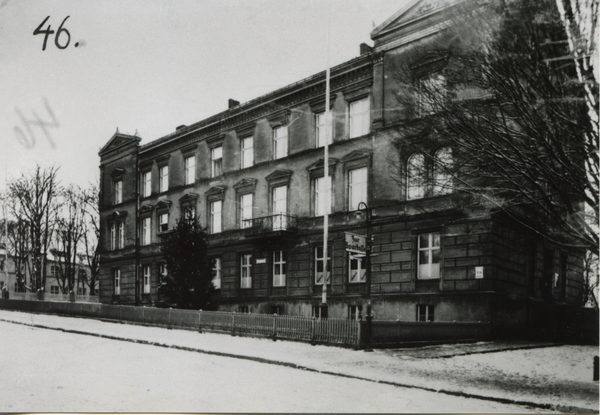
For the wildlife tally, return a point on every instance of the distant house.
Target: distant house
(254, 176)
(54, 287)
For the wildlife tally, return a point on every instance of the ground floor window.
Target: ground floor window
(277, 309)
(54, 289)
(429, 256)
(217, 274)
(146, 278)
(246, 271)
(424, 312)
(279, 268)
(243, 309)
(81, 290)
(117, 281)
(357, 269)
(354, 312)
(319, 311)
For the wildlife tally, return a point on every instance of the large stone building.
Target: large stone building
(254, 176)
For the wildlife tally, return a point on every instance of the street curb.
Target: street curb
(559, 408)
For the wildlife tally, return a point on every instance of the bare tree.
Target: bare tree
(34, 202)
(508, 98)
(68, 237)
(15, 239)
(590, 278)
(91, 235)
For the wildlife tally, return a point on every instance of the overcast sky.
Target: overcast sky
(151, 65)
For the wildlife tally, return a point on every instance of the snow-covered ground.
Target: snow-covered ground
(560, 376)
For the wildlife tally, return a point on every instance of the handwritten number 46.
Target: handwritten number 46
(48, 32)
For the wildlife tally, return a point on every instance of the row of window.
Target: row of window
(424, 312)
(428, 266)
(322, 189)
(359, 117)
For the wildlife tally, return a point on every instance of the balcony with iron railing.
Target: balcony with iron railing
(279, 223)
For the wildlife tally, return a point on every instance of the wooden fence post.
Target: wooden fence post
(359, 333)
(312, 331)
(233, 324)
(275, 327)
(200, 321)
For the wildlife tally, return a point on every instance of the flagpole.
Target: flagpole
(327, 195)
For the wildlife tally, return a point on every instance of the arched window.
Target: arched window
(442, 174)
(415, 176)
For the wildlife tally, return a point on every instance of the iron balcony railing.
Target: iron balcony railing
(276, 222)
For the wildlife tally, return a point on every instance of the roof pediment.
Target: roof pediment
(119, 140)
(412, 12)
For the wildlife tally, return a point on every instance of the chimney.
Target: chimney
(364, 49)
(233, 103)
(180, 127)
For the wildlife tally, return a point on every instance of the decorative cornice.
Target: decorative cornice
(117, 215)
(319, 164)
(216, 190)
(188, 197)
(279, 118)
(216, 140)
(163, 204)
(245, 130)
(356, 154)
(245, 184)
(146, 208)
(117, 172)
(279, 174)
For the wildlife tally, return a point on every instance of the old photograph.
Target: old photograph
(299, 206)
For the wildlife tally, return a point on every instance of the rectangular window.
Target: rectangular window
(163, 220)
(424, 312)
(216, 157)
(117, 281)
(246, 210)
(162, 270)
(146, 184)
(247, 152)
(280, 142)
(277, 309)
(354, 312)
(322, 196)
(189, 212)
(243, 309)
(279, 268)
(190, 170)
(121, 235)
(146, 278)
(359, 118)
(54, 289)
(280, 208)
(429, 256)
(164, 178)
(357, 187)
(357, 269)
(215, 216)
(321, 132)
(113, 237)
(146, 231)
(320, 267)
(118, 196)
(81, 290)
(246, 271)
(217, 274)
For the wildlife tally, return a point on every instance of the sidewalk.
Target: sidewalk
(538, 375)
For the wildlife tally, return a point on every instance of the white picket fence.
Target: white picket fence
(331, 330)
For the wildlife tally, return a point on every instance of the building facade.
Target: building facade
(254, 175)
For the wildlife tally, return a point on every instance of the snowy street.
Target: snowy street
(49, 370)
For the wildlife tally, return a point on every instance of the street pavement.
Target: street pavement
(538, 376)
